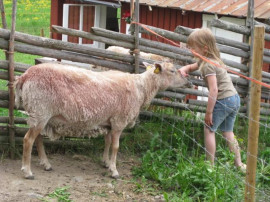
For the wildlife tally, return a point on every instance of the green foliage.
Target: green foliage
(175, 160)
(32, 16)
(61, 194)
(177, 171)
(101, 194)
(3, 85)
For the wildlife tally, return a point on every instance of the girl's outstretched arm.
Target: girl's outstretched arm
(188, 68)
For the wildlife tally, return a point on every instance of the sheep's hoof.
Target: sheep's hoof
(104, 164)
(115, 176)
(48, 169)
(30, 177)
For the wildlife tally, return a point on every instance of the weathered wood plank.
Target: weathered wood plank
(223, 41)
(143, 42)
(267, 27)
(19, 67)
(18, 120)
(146, 48)
(76, 57)
(230, 26)
(169, 94)
(3, 75)
(60, 45)
(224, 45)
(165, 33)
(116, 42)
(234, 27)
(87, 35)
(3, 95)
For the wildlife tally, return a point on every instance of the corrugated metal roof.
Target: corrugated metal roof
(224, 7)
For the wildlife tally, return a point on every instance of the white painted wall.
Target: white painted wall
(224, 33)
(100, 21)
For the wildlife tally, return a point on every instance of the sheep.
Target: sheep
(63, 100)
(149, 56)
(143, 55)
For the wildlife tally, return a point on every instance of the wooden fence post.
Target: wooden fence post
(254, 113)
(4, 21)
(136, 38)
(132, 9)
(3, 15)
(11, 81)
(250, 40)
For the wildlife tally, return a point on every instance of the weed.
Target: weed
(101, 194)
(179, 167)
(61, 194)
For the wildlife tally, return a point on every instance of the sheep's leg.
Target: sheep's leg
(28, 141)
(41, 153)
(108, 141)
(115, 146)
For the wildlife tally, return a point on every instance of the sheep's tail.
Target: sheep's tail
(18, 91)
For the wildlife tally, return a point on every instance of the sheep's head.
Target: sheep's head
(168, 75)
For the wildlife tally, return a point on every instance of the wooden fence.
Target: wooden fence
(46, 47)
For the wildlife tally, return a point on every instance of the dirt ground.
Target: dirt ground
(86, 178)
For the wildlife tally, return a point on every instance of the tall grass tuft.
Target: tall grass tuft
(32, 17)
(175, 159)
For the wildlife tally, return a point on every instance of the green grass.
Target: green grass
(173, 159)
(32, 17)
(60, 194)
(3, 85)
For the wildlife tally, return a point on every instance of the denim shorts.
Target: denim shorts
(224, 113)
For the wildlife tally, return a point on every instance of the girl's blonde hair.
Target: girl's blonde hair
(204, 39)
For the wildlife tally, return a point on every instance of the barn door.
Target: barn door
(83, 17)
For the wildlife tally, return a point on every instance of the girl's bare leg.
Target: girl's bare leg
(210, 144)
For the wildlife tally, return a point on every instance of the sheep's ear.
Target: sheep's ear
(158, 68)
(147, 65)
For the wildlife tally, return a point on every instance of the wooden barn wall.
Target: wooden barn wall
(88, 21)
(74, 21)
(266, 67)
(164, 18)
(56, 16)
(74, 13)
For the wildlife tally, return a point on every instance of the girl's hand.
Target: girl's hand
(183, 72)
(188, 68)
(208, 119)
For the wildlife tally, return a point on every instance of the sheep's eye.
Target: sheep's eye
(172, 71)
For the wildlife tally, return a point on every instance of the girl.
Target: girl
(223, 100)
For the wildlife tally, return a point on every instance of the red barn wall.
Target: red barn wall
(266, 67)
(56, 16)
(74, 13)
(164, 18)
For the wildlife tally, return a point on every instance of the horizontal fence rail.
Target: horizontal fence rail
(46, 47)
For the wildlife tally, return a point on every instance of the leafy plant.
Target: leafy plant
(101, 194)
(61, 194)
(183, 174)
